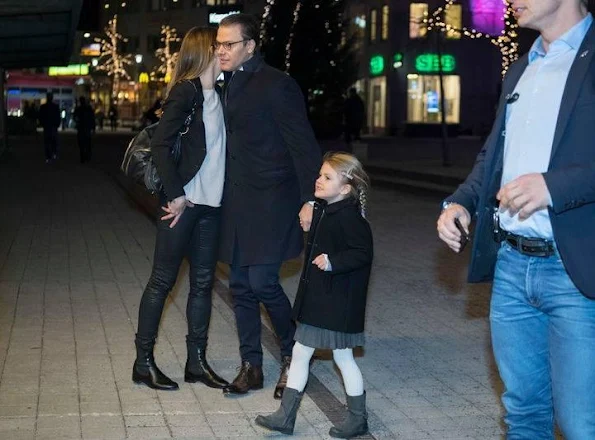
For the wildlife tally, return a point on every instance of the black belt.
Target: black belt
(533, 247)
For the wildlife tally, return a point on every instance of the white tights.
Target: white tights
(300, 367)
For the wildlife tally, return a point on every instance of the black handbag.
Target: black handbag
(138, 162)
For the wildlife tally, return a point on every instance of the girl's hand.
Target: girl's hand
(175, 209)
(321, 261)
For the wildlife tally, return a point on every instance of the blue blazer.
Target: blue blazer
(570, 177)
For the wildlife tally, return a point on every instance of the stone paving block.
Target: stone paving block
(16, 424)
(18, 411)
(100, 408)
(57, 409)
(141, 408)
(195, 432)
(144, 421)
(180, 407)
(65, 422)
(146, 433)
(103, 426)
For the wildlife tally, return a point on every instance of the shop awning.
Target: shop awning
(35, 33)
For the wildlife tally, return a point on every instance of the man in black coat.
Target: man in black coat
(49, 118)
(85, 126)
(273, 160)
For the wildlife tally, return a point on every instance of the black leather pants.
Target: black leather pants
(196, 236)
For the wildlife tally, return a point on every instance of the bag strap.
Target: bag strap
(190, 117)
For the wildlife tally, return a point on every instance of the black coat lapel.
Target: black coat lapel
(576, 76)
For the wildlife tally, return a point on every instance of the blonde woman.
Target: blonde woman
(190, 201)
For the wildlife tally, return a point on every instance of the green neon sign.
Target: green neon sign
(429, 62)
(376, 65)
(70, 70)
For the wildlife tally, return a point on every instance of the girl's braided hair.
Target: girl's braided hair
(352, 173)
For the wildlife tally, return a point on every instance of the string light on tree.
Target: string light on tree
(111, 60)
(165, 54)
(265, 18)
(506, 42)
(296, 16)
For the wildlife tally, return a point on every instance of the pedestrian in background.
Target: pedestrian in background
(191, 200)
(112, 114)
(354, 113)
(331, 300)
(49, 119)
(273, 160)
(84, 118)
(533, 191)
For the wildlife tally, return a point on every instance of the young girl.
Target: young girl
(331, 299)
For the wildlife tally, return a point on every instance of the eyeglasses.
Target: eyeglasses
(228, 45)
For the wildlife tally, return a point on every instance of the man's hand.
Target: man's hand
(447, 231)
(305, 216)
(175, 209)
(526, 194)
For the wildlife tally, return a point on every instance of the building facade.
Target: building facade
(140, 23)
(400, 58)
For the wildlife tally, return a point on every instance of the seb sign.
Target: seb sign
(430, 63)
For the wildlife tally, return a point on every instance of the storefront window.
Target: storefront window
(418, 12)
(453, 17)
(373, 24)
(377, 105)
(385, 21)
(423, 98)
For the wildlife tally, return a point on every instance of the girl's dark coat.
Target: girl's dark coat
(336, 300)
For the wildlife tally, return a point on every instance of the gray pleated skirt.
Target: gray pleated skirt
(317, 337)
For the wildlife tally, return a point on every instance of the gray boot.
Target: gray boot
(283, 420)
(356, 422)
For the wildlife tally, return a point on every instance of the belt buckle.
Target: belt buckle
(499, 234)
(539, 250)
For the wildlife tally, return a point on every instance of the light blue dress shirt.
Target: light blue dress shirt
(531, 120)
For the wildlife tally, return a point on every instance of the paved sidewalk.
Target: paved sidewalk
(75, 253)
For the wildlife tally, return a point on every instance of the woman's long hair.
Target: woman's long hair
(195, 55)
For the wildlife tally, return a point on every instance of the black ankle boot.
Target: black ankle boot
(146, 371)
(356, 422)
(283, 420)
(198, 370)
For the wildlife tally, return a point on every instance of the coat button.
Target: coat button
(232, 156)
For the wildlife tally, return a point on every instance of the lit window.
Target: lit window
(385, 20)
(453, 19)
(423, 98)
(373, 24)
(418, 14)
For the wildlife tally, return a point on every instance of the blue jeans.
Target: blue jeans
(543, 337)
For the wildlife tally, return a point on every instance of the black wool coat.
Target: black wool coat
(336, 300)
(176, 108)
(272, 164)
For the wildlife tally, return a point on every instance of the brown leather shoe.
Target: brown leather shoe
(249, 378)
(282, 382)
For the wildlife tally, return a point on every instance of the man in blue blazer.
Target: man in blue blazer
(532, 190)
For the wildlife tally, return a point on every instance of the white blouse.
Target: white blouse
(206, 187)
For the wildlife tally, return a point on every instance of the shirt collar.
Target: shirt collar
(573, 38)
